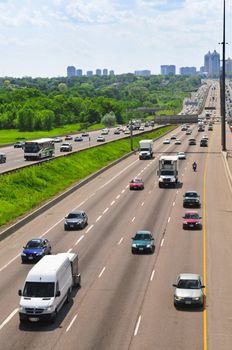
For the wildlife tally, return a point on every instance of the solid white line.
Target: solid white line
(68, 251)
(8, 318)
(118, 196)
(112, 203)
(133, 219)
(169, 219)
(152, 275)
(162, 242)
(137, 326)
(79, 239)
(88, 229)
(71, 323)
(9, 262)
(99, 217)
(120, 241)
(100, 274)
(142, 204)
(105, 210)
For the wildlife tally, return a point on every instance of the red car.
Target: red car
(136, 184)
(192, 220)
(68, 138)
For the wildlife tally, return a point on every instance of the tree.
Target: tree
(109, 119)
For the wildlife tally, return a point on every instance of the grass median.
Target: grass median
(22, 191)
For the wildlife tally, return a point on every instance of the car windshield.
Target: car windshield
(167, 172)
(189, 284)
(191, 194)
(74, 216)
(136, 180)
(191, 216)
(142, 236)
(39, 289)
(34, 244)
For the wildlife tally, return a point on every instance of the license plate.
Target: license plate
(30, 258)
(71, 225)
(140, 248)
(33, 319)
(188, 302)
(191, 225)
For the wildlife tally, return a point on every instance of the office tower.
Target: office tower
(142, 73)
(71, 71)
(111, 72)
(212, 64)
(98, 72)
(79, 73)
(105, 71)
(188, 71)
(228, 65)
(168, 69)
(89, 73)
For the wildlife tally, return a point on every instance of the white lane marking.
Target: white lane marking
(100, 274)
(69, 251)
(99, 217)
(149, 192)
(9, 262)
(122, 191)
(79, 239)
(118, 196)
(88, 229)
(133, 219)
(105, 210)
(169, 219)
(8, 318)
(51, 228)
(139, 174)
(137, 326)
(127, 186)
(142, 204)
(152, 275)
(173, 203)
(120, 241)
(112, 203)
(71, 323)
(162, 242)
(177, 191)
(182, 174)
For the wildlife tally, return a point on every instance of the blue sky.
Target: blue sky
(43, 37)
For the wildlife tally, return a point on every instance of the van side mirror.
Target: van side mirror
(58, 293)
(20, 292)
(174, 285)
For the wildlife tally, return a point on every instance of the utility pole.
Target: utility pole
(131, 135)
(223, 87)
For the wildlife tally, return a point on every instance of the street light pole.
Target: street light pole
(223, 87)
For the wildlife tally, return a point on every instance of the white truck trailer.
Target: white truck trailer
(145, 149)
(48, 286)
(168, 171)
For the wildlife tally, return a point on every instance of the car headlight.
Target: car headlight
(23, 254)
(178, 298)
(134, 245)
(39, 253)
(49, 308)
(148, 245)
(196, 298)
(161, 179)
(21, 308)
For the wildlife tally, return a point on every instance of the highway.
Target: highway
(126, 301)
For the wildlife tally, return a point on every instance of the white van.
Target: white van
(47, 286)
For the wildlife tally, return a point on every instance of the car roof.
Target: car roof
(191, 212)
(36, 240)
(191, 192)
(189, 276)
(77, 212)
(137, 178)
(143, 232)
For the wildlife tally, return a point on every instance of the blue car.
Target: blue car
(35, 250)
(143, 242)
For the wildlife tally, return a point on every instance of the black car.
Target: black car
(191, 199)
(35, 249)
(19, 144)
(192, 142)
(142, 242)
(204, 143)
(2, 158)
(75, 220)
(85, 134)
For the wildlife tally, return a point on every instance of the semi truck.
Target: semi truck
(145, 149)
(168, 171)
(48, 286)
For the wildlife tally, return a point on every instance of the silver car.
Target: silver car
(189, 290)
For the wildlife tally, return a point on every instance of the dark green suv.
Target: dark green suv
(143, 242)
(191, 200)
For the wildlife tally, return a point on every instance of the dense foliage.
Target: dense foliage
(42, 104)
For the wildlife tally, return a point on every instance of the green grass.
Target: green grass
(24, 190)
(12, 135)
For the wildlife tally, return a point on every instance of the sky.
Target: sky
(40, 38)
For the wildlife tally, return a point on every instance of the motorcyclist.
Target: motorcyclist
(194, 166)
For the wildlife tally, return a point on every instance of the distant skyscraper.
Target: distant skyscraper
(188, 71)
(105, 71)
(228, 65)
(71, 71)
(143, 73)
(79, 72)
(111, 72)
(168, 70)
(98, 72)
(212, 64)
(89, 73)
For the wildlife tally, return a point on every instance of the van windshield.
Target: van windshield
(39, 289)
(167, 172)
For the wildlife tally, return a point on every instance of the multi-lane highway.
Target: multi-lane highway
(126, 301)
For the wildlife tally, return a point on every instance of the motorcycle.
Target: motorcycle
(194, 166)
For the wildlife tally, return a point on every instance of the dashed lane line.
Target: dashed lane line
(105, 210)
(120, 241)
(79, 239)
(162, 242)
(152, 275)
(137, 326)
(99, 217)
(88, 229)
(112, 203)
(71, 323)
(8, 318)
(102, 271)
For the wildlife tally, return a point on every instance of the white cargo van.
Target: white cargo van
(47, 286)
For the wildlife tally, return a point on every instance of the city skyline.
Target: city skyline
(40, 39)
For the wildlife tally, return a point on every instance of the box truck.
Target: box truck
(168, 171)
(145, 149)
(48, 286)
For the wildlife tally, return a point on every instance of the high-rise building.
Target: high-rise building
(143, 73)
(79, 73)
(105, 71)
(71, 71)
(168, 69)
(188, 71)
(228, 65)
(98, 72)
(89, 73)
(111, 72)
(212, 64)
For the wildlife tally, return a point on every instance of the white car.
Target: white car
(141, 128)
(178, 142)
(166, 141)
(189, 290)
(181, 155)
(101, 139)
(127, 132)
